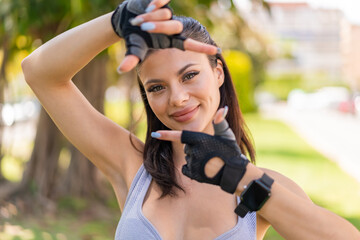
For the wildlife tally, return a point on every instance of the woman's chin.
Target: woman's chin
(196, 127)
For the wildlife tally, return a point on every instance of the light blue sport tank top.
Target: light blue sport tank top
(133, 225)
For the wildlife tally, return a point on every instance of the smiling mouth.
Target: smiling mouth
(186, 115)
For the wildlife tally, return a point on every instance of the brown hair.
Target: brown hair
(158, 154)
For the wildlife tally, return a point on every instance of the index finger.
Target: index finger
(193, 45)
(155, 4)
(167, 135)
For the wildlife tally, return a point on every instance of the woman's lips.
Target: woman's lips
(184, 115)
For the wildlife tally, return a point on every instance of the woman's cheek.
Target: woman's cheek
(157, 104)
(202, 85)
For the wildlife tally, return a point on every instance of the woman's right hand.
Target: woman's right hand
(151, 18)
(215, 159)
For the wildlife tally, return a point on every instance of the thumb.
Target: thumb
(129, 62)
(221, 126)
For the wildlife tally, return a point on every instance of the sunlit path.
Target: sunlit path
(334, 134)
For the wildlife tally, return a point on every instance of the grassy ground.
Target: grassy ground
(61, 227)
(278, 148)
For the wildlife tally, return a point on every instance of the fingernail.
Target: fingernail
(136, 21)
(218, 50)
(147, 26)
(226, 109)
(155, 135)
(150, 8)
(118, 70)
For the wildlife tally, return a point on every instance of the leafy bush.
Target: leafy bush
(241, 71)
(281, 85)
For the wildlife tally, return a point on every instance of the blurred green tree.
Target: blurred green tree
(240, 67)
(8, 31)
(40, 21)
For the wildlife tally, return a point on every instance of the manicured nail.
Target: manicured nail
(226, 109)
(118, 70)
(218, 50)
(155, 135)
(150, 8)
(136, 21)
(147, 26)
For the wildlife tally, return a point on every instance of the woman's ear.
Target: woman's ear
(219, 71)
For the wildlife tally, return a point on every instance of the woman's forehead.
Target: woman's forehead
(170, 61)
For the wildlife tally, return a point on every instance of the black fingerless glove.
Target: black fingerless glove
(201, 147)
(137, 41)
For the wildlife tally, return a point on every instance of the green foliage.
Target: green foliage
(72, 203)
(12, 168)
(281, 85)
(39, 19)
(240, 68)
(198, 9)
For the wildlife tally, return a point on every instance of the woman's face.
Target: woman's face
(182, 88)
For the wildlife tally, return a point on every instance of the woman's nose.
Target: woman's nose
(178, 96)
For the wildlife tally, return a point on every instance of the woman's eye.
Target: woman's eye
(190, 75)
(155, 88)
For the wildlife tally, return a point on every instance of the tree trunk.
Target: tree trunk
(3, 82)
(41, 172)
(41, 178)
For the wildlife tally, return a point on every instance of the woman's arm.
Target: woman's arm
(48, 71)
(58, 60)
(292, 214)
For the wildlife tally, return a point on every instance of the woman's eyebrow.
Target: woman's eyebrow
(184, 68)
(152, 81)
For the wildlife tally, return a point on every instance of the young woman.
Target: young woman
(182, 90)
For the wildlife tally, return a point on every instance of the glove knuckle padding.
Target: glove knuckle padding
(137, 41)
(138, 6)
(160, 40)
(189, 137)
(136, 45)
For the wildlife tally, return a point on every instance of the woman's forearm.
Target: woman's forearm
(294, 216)
(59, 59)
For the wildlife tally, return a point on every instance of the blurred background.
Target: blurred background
(294, 65)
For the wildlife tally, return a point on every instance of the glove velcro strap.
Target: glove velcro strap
(115, 19)
(232, 176)
(177, 41)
